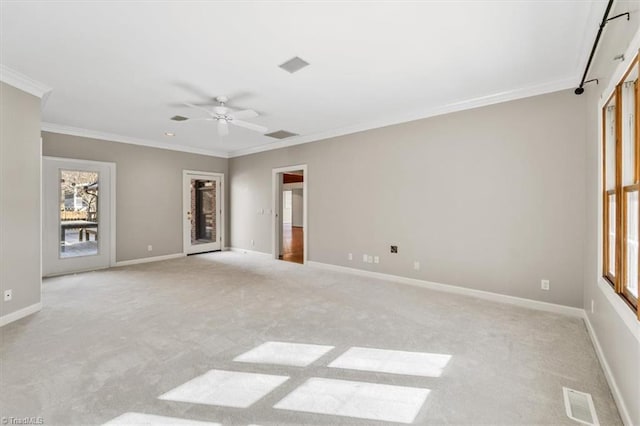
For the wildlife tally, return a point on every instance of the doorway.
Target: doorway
(203, 206)
(78, 215)
(290, 213)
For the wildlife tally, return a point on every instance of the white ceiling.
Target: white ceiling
(123, 68)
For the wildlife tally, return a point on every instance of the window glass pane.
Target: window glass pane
(78, 213)
(612, 235)
(203, 208)
(628, 131)
(632, 243)
(610, 143)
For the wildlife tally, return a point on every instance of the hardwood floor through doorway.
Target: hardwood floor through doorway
(292, 243)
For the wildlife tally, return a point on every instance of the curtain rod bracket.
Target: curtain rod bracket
(619, 16)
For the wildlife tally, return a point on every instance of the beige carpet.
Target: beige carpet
(112, 342)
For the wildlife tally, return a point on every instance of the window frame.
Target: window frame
(618, 279)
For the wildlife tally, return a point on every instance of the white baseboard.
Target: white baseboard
(617, 395)
(245, 251)
(496, 297)
(149, 259)
(20, 313)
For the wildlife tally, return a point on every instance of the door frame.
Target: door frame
(112, 208)
(276, 188)
(186, 202)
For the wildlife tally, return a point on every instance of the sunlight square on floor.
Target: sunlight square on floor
(225, 388)
(395, 362)
(283, 353)
(356, 399)
(142, 419)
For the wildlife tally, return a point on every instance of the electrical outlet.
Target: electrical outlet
(350, 256)
(364, 258)
(593, 306)
(394, 249)
(544, 284)
(253, 243)
(416, 265)
(8, 295)
(369, 259)
(376, 259)
(149, 247)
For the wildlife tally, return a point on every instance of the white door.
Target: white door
(202, 206)
(77, 215)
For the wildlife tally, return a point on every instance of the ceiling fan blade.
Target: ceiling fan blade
(223, 127)
(198, 107)
(250, 126)
(201, 119)
(243, 115)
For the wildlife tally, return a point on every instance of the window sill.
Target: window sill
(621, 307)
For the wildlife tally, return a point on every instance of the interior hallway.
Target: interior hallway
(113, 341)
(292, 243)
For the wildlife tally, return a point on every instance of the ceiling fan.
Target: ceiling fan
(224, 116)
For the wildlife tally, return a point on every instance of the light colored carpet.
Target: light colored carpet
(111, 342)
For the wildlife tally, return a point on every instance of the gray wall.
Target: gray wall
(19, 198)
(621, 346)
(491, 198)
(148, 190)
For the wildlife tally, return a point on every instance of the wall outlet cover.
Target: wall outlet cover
(376, 259)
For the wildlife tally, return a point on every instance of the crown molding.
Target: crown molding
(24, 83)
(501, 97)
(94, 134)
(506, 96)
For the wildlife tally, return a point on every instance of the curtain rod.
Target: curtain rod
(605, 19)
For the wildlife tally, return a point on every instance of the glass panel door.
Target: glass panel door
(202, 205)
(76, 215)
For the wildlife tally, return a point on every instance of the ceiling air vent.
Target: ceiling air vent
(294, 64)
(179, 118)
(280, 134)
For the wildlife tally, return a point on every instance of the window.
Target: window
(621, 187)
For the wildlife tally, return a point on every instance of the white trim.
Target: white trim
(506, 96)
(627, 315)
(24, 83)
(41, 188)
(149, 259)
(622, 67)
(245, 251)
(619, 306)
(112, 201)
(20, 313)
(112, 137)
(615, 390)
(186, 201)
(274, 208)
(112, 215)
(486, 295)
